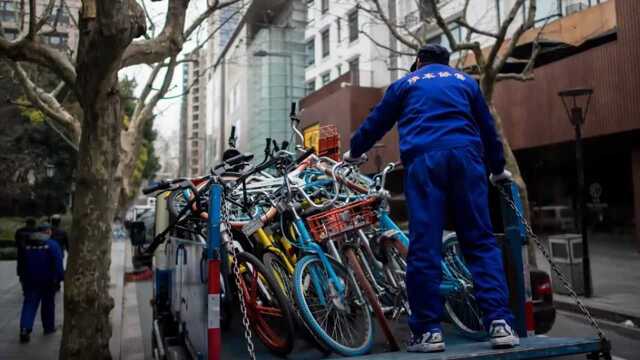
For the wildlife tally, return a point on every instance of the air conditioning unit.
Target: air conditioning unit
(575, 7)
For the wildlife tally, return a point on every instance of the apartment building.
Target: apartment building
(338, 39)
(60, 31)
(193, 122)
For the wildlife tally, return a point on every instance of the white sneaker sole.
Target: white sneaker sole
(505, 341)
(426, 348)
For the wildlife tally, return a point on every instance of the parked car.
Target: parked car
(544, 313)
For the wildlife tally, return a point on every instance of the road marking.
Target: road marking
(613, 357)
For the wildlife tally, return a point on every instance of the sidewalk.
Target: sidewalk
(47, 347)
(615, 269)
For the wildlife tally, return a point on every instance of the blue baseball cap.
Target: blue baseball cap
(432, 54)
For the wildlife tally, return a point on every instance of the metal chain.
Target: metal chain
(554, 267)
(236, 272)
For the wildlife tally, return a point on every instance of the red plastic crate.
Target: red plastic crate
(343, 219)
(329, 139)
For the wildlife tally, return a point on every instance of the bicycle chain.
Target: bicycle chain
(236, 271)
(565, 282)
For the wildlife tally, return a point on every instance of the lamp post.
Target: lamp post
(265, 53)
(576, 103)
(50, 170)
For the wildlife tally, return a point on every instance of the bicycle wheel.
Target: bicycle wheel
(177, 201)
(370, 294)
(395, 270)
(342, 323)
(461, 306)
(269, 311)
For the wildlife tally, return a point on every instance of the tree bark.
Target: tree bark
(487, 84)
(103, 40)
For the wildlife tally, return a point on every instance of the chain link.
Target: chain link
(236, 271)
(554, 267)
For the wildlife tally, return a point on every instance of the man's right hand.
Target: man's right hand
(354, 160)
(504, 176)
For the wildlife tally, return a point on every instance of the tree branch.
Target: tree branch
(170, 40)
(528, 24)
(46, 102)
(379, 13)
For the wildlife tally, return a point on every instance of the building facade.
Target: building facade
(60, 30)
(193, 122)
(257, 74)
(338, 40)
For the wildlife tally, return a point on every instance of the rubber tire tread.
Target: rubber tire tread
(283, 301)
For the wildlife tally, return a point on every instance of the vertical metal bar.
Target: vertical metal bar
(581, 216)
(515, 240)
(214, 345)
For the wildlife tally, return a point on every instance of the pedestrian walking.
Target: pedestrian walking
(446, 135)
(58, 233)
(21, 236)
(41, 273)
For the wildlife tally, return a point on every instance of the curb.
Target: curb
(597, 312)
(606, 325)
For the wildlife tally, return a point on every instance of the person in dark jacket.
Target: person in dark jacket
(21, 236)
(58, 233)
(41, 273)
(447, 134)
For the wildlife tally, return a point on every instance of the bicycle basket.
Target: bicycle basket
(341, 220)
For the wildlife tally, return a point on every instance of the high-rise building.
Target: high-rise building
(193, 124)
(257, 73)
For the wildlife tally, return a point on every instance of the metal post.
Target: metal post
(581, 215)
(214, 338)
(516, 261)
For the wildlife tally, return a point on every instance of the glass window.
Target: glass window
(326, 78)
(310, 52)
(325, 43)
(354, 68)
(339, 68)
(458, 34)
(310, 10)
(354, 30)
(195, 126)
(325, 6)
(339, 29)
(310, 87)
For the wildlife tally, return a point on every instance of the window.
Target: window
(354, 68)
(194, 153)
(339, 29)
(59, 16)
(194, 171)
(310, 52)
(310, 10)
(196, 108)
(354, 31)
(8, 11)
(11, 34)
(195, 117)
(310, 87)
(326, 78)
(194, 143)
(195, 126)
(325, 6)
(339, 69)
(195, 135)
(57, 40)
(458, 33)
(325, 44)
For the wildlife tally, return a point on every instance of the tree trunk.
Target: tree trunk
(130, 150)
(103, 38)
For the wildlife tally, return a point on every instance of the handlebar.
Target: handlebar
(163, 185)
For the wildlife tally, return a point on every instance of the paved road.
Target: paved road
(626, 343)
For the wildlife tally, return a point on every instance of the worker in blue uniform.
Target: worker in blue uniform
(41, 273)
(447, 134)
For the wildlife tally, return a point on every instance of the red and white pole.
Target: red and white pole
(214, 338)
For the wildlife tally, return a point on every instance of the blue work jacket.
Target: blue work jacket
(436, 108)
(41, 263)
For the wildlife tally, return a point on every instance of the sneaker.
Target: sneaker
(25, 336)
(431, 341)
(501, 335)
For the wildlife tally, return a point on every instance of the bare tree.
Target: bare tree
(107, 148)
(489, 59)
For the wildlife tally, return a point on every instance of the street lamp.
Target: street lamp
(50, 170)
(265, 53)
(576, 103)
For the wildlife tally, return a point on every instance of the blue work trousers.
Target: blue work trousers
(33, 297)
(437, 183)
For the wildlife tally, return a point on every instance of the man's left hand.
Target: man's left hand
(354, 160)
(504, 176)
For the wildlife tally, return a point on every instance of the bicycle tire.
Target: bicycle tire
(363, 345)
(284, 344)
(371, 296)
(276, 265)
(175, 202)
